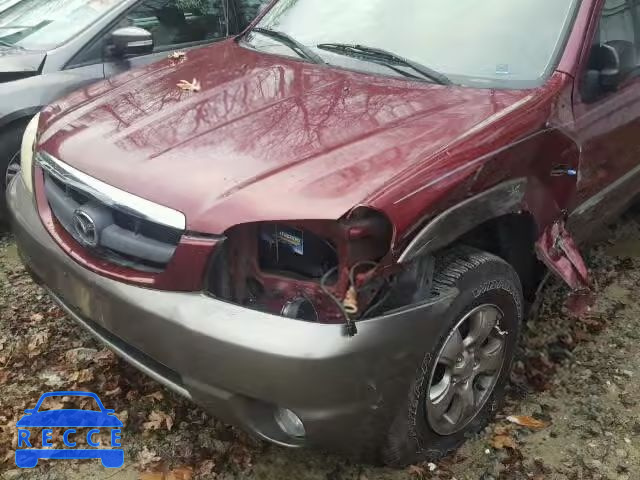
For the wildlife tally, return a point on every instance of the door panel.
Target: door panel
(87, 73)
(608, 129)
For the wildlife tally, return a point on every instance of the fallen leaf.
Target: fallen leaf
(36, 341)
(111, 393)
(206, 468)
(189, 86)
(52, 403)
(123, 416)
(501, 429)
(177, 55)
(81, 356)
(526, 421)
(147, 457)
(503, 441)
(104, 356)
(156, 419)
(82, 376)
(155, 396)
(416, 471)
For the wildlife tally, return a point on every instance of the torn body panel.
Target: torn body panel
(551, 157)
(557, 249)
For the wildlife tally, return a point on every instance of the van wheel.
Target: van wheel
(10, 141)
(460, 385)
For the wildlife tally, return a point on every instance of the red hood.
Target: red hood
(266, 138)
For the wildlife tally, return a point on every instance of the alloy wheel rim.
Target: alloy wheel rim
(466, 370)
(13, 169)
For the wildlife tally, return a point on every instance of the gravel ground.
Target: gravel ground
(576, 377)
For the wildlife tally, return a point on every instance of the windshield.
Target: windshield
(495, 42)
(46, 24)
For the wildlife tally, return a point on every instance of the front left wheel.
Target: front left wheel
(460, 385)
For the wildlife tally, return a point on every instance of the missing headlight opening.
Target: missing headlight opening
(294, 251)
(314, 270)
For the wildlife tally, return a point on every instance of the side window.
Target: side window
(248, 10)
(171, 22)
(177, 22)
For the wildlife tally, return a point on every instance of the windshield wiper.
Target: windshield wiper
(387, 59)
(301, 49)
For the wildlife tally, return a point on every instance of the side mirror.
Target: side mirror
(131, 41)
(609, 64)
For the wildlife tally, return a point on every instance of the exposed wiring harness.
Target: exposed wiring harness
(350, 326)
(349, 306)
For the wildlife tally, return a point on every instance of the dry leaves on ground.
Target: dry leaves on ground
(206, 468)
(147, 457)
(503, 441)
(82, 376)
(36, 342)
(156, 420)
(526, 421)
(157, 396)
(422, 470)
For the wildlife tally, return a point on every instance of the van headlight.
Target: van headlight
(27, 150)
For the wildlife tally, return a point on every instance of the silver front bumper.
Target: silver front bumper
(240, 363)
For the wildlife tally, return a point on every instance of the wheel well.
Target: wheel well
(16, 123)
(511, 237)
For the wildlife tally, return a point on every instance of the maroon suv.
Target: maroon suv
(327, 230)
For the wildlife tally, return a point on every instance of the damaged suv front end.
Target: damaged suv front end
(278, 327)
(302, 380)
(314, 243)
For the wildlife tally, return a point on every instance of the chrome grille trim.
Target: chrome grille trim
(109, 195)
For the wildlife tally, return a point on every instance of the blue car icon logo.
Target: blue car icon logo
(69, 420)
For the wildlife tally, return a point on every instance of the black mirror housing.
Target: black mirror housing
(609, 64)
(131, 41)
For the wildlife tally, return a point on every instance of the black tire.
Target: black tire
(481, 278)
(10, 141)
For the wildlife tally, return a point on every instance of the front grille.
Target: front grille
(109, 228)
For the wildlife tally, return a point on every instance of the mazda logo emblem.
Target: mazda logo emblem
(85, 229)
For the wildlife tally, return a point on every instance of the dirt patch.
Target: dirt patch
(576, 377)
